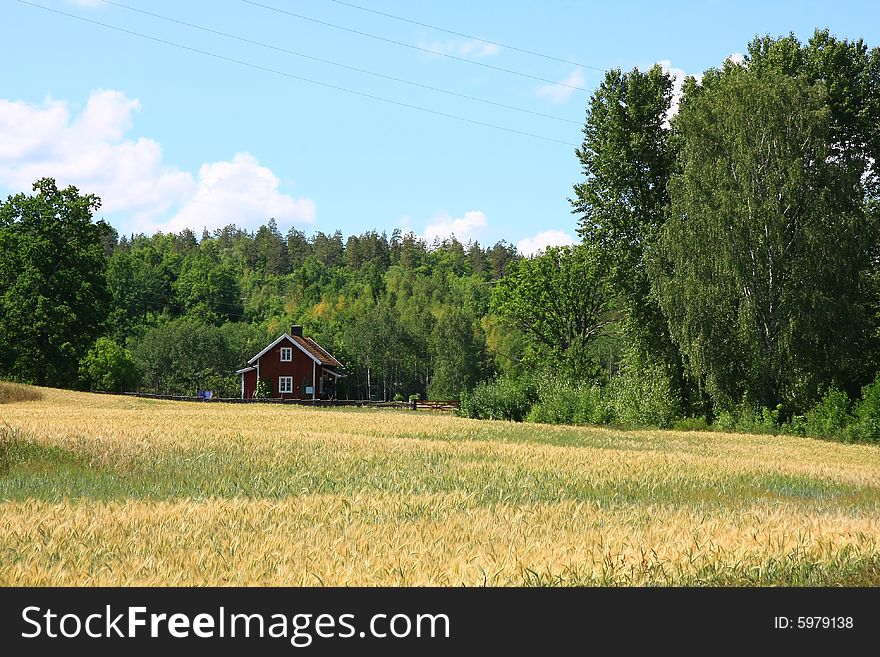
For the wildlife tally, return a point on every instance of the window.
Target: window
(285, 384)
(286, 354)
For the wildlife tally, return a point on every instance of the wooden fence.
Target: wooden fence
(415, 405)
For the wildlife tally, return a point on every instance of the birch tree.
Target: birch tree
(758, 264)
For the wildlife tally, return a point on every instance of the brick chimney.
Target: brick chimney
(296, 329)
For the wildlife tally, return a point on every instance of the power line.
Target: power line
(337, 64)
(297, 77)
(467, 36)
(409, 45)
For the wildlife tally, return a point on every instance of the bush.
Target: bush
(505, 398)
(867, 413)
(566, 403)
(751, 419)
(691, 424)
(834, 416)
(109, 367)
(643, 395)
(264, 389)
(725, 421)
(830, 417)
(397, 397)
(747, 417)
(797, 426)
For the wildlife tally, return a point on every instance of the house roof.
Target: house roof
(308, 346)
(245, 369)
(317, 351)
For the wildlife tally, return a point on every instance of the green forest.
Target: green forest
(728, 274)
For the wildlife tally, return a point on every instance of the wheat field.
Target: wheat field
(107, 490)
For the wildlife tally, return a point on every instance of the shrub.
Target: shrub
(397, 397)
(797, 426)
(110, 367)
(264, 389)
(764, 420)
(643, 395)
(830, 417)
(747, 417)
(505, 398)
(221, 386)
(725, 420)
(867, 413)
(691, 424)
(569, 403)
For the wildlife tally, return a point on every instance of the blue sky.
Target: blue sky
(173, 138)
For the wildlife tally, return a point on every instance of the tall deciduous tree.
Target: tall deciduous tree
(626, 158)
(560, 299)
(184, 355)
(850, 73)
(52, 291)
(208, 287)
(759, 261)
(457, 354)
(139, 282)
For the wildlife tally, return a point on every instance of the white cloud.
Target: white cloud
(464, 228)
(138, 189)
(678, 76)
(240, 192)
(89, 151)
(536, 244)
(469, 48)
(107, 117)
(560, 92)
(737, 58)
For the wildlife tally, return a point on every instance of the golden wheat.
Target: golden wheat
(430, 540)
(272, 495)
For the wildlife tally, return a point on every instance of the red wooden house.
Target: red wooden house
(294, 367)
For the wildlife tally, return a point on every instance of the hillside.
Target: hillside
(106, 490)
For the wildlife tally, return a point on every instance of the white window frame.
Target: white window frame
(286, 351)
(285, 389)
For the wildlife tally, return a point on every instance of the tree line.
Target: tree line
(83, 307)
(743, 235)
(729, 268)
(733, 250)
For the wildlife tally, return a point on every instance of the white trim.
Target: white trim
(289, 380)
(314, 383)
(272, 344)
(289, 351)
(242, 385)
(334, 373)
(256, 358)
(245, 369)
